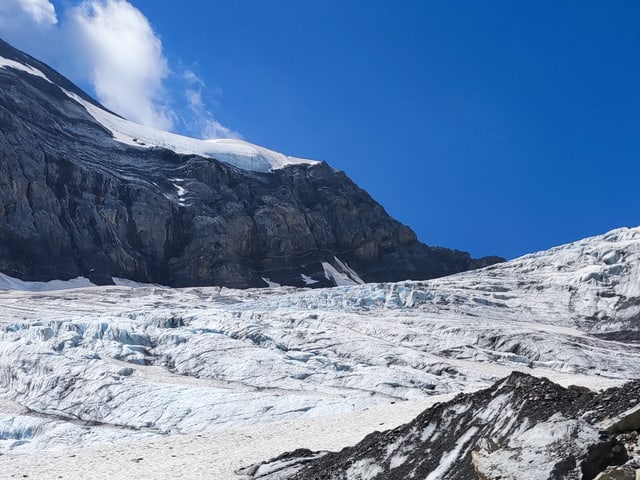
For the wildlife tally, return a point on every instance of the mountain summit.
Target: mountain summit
(84, 192)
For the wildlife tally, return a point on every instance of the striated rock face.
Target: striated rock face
(521, 428)
(74, 201)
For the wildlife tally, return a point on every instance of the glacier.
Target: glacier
(87, 365)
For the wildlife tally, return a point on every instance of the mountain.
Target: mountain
(84, 192)
(527, 369)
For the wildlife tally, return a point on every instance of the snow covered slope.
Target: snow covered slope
(239, 153)
(100, 363)
(10, 283)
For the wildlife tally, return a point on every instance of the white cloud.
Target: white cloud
(112, 44)
(194, 97)
(127, 66)
(211, 128)
(41, 12)
(31, 25)
(200, 120)
(192, 79)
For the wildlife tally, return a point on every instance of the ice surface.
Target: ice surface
(363, 470)
(537, 446)
(123, 282)
(343, 277)
(157, 360)
(307, 279)
(448, 458)
(269, 283)
(208, 455)
(10, 283)
(345, 268)
(7, 63)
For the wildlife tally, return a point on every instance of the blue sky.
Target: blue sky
(495, 127)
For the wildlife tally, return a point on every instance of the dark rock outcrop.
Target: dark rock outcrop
(521, 428)
(74, 202)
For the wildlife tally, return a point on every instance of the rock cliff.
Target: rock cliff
(76, 200)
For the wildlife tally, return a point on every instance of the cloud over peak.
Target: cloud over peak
(126, 61)
(39, 11)
(112, 44)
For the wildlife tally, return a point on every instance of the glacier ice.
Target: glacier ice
(119, 362)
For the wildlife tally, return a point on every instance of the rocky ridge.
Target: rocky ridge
(522, 427)
(84, 193)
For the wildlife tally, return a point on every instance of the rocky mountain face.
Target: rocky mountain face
(522, 427)
(77, 200)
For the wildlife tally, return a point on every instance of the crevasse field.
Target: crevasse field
(116, 369)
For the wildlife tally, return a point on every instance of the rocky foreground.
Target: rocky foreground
(522, 427)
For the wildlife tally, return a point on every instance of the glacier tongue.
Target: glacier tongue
(100, 363)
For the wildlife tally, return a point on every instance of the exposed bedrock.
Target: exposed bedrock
(521, 428)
